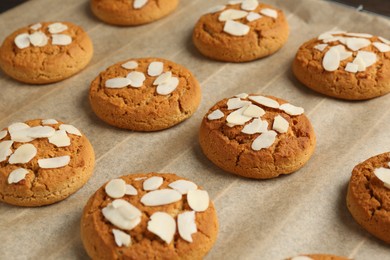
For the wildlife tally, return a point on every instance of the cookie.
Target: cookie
(368, 197)
(256, 136)
(241, 31)
(149, 216)
(352, 66)
(132, 12)
(43, 162)
(318, 257)
(147, 94)
(45, 52)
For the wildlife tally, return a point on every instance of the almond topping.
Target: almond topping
(5, 150)
(160, 197)
(61, 39)
(122, 214)
(253, 111)
(168, 86)
(60, 139)
(331, 61)
(117, 82)
(38, 39)
(136, 79)
(253, 16)
(155, 68)
(70, 129)
(49, 122)
(163, 225)
(183, 186)
(139, 3)
(22, 41)
(198, 200)
(55, 162)
(351, 67)
(249, 5)
(291, 109)
(234, 103)
(321, 47)
(231, 14)
(268, 102)
(264, 140)
(269, 12)
(256, 126)
(383, 174)
(237, 118)
(3, 134)
(357, 43)
(23, 154)
(280, 124)
(36, 26)
(236, 28)
(57, 27)
(216, 114)
(130, 190)
(116, 188)
(153, 183)
(163, 78)
(130, 65)
(381, 46)
(369, 58)
(186, 225)
(121, 238)
(17, 175)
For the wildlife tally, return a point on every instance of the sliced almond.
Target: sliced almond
(331, 60)
(49, 122)
(17, 126)
(117, 82)
(361, 35)
(357, 43)
(268, 102)
(253, 111)
(137, 79)
(38, 39)
(3, 134)
(122, 214)
(140, 178)
(57, 27)
(70, 129)
(155, 68)
(384, 40)
(351, 67)
(237, 117)
(321, 47)
(343, 40)
(186, 225)
(55, 162)
(21, 135)
(198, 200)
(183, 186)
(253, 16)
(265, 140)
(216, 114)
(234, 103)
(23, 154)
(60, 139)
(383, 174)
(121, 238)
(116, 188)
(236, 28)
(61, 39)
(256, 126)
(167, 87)
(269, 12)
(17, 175)
(36, 26)
(163, 78)
(368, 57)
(139, 3)
(22, 41)
(232, 14)
(249, 5)
(163, 225)
(301, 257)
(234, 2)
(5, 149)
(280, 124)
(160, 197)
(344, 54)
(40, 131)
(215, 9)
(360, 63)
(130, 190)
(291, 109)
(130, 65)
(126, 209)
(381, 46)
(242, 95)
(153, 183)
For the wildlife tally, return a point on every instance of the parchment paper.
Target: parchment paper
(274, 219)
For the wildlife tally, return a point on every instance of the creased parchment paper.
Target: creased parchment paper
(274, 219)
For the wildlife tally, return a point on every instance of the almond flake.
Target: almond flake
(160, 197)
(383, 174)
(357, 43)
(117, 82)
(236, 28)
(331, 61)
(60, 139)
(167, 87)
(264, 140)
(36, 26)
(23, 154)
(121, 238)
(268, 102)
(5, 150)
(234, 103)
(22, 40)
(215, 9)
(70, 129)
(153, 183)
(186, 225)
(17, 126)
(253, 111)
(351, 67)
(155, 68)
(198, 200)
(140, 178)
(343, 40)
(139, 3)
(38, 39)
(55, 162)
(122, 214)
(269, 12)
(291, 109)
(61, 39)
(49, 122)
(40, 132)
(381, 46)
(384, 40)
(130, 190)
(3, 134)
(130, 65)
(242, 95)
(301, 257)
(163, 78)
(360, 35)
(216, 114)
(237, 118)
(231, 14)
(136, 79)
(234, 2)
(360, 63)
(17, 175)
(280, 124)
(253, 16)
(183, 186)
(21, 135)
(249, 5)
(368, 57)
(163, 225)
(256, 126)
(344, 54)
(116, 188)
(321, 47)
(329, 34)
(57, 27)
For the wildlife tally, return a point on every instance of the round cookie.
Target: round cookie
(318, 257)
(43, 162)
(45, 52)
(368, 197)
(352, 66)
(241, 32)
(146, 94)
(132, 12)
(255, 136)
(164, 217)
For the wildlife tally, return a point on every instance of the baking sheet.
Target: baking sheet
(274, 219)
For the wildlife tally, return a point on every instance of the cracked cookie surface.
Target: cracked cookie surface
(49, 63)
(368, 199)
(142, 108)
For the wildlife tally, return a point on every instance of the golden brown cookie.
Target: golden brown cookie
(42, 162)
(132, 12)
(146, 94)
(255, 136)
(318, 257)
(368, 197)
(45, 52)
(353, 66)
(241, 32)
(149, 216)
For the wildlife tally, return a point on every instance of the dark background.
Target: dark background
(376, 6)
